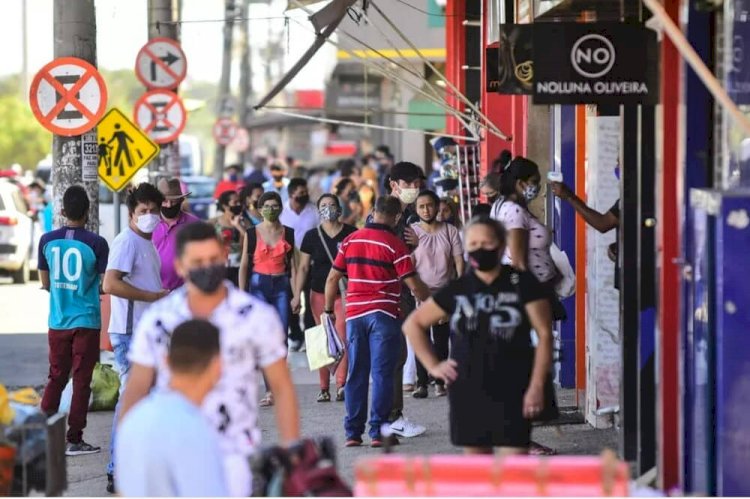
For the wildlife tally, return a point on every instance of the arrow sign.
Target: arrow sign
(161, 63)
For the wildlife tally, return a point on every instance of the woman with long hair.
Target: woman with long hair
(249, 196)
(319, 248)
(351, 206)
(496, 377)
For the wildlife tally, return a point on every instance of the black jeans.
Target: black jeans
(440, 338)
(407, 306)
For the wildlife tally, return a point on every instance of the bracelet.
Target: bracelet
(329, 312)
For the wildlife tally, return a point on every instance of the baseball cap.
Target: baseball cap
(408, 172)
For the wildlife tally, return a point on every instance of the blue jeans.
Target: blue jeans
(120, 347)
(277, 292)
(374, 345)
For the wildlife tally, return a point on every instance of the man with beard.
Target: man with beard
(438, 259)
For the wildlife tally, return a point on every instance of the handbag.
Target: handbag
(343, 281)
(566, 285)
(316, 345)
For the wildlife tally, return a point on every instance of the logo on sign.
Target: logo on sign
(593, 56)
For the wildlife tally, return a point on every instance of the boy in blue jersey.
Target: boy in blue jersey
(72, 261)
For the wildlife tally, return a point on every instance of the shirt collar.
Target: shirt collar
(377, 226)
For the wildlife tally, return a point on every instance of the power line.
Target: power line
(192, 21)
(434, 14)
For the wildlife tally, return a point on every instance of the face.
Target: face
(144, 209)
(533, 182)
(490, 193)
(400, 185)
(199, 254)
(328, 203)
(426, 209)
(234, 200)
(301, 193)
(270, 210)
(254, 197)
(277, 174)
(445, 213)
(482, 237)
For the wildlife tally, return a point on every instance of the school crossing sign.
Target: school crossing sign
(123, 149)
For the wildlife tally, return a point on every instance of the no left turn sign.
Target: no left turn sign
(161, 115)
(68, 96)
(161, 63)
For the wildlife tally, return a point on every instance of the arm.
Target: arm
(460, 264)
(244, 263)
(140, 381)
(44, 278)
(332, 288)
(541, 320)
(517, 245)
(303, 269)
(603, 222)
(415, 328)
(285, 396)
(418, 288)
(116, 286)
(293, 270)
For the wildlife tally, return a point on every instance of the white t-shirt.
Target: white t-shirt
(540, 263)
(251, 338)
(138, 259)
(301, 223)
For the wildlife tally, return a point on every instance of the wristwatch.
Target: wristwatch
(329, 312)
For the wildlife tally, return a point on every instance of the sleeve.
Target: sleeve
(402, 260)
(270, 340)
(615, 210)
(339, 263)
(122, 256)
(308, 242)
(531, 289)
(102, 255)
(42, 258)
(455, 240)
(446, 298)
(201, 471)
(513, 216)
(141, 347)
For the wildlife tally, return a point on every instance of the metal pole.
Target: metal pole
(24, 51)
(162, 17)
(226, 70)
(75, 36)
(246, 78)
(116, 206)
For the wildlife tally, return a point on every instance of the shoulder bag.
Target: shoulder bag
(343, 282)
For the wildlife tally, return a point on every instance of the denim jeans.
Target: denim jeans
(120, 347)
(277, 292)
(374, 348)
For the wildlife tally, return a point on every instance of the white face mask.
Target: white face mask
(408, 195)
(147, 223)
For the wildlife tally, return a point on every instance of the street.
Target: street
(23, 362)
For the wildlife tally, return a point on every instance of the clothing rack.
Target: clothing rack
(467, 162)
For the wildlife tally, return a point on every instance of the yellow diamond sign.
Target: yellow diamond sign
(123, 149)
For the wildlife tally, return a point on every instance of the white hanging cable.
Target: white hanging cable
(487, 122)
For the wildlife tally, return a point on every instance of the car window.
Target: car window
(105, 195)
(201, 189)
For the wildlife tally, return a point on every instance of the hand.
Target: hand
(445, 371)
(332, 315)
(161, 294)
(237, 222)
(561, 190)
(411, 237)
(533, 402)
(296, 305)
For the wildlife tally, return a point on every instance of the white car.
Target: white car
(19, 235)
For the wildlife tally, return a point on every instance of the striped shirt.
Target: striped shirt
(375, 261)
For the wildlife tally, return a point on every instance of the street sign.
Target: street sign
(123, 149)
(161, 115)
(90, 156)
(224, 131)
(68, 96)
(241, 141)
(161, 63)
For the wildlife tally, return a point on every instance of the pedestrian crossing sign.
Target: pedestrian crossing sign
(123, 149)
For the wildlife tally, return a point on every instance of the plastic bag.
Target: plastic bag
(7, 414)
(316, 343)
(105, 388)
(336, 347)
(567, 285)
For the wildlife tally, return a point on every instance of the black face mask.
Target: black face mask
(492, 199)
(484, 259)
(170, 212)
(236, 210)
(303, 200)
(208, 279)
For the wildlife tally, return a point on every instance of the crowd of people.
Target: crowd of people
(199, 309)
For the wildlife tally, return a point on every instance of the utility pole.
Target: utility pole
(246, 76)
(224, 83)
(163, 17)
(75, 36)
(24, 83)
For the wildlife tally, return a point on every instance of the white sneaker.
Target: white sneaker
(405, 428)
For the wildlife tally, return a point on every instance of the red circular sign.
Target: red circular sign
(224, 131)
(161, 63)
(161, 114)
(68, 96)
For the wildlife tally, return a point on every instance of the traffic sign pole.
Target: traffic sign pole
(75, 36)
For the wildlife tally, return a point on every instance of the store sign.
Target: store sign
(595, 63)
(510, 69)
(738, 69)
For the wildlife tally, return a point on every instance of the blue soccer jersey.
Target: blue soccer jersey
(74, 258)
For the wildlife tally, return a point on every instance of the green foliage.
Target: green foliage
(22, 138)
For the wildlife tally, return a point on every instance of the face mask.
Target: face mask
(147, 223)
(484, 259)
(408, 196)
(329, 213)
(208, 279)
(531, 192)
(233, 178)
(493, 198)
(236, 210)
(303, 200)
(277, 176)
(170, 212)
(270, 214)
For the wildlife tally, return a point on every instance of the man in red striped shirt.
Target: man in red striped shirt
(376, 262)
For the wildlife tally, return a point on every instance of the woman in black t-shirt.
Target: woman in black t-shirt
(496, 377)
(316, 260)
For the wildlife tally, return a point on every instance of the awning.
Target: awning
(425, 115)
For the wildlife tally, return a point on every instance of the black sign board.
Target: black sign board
(595, 63)
(510, 69)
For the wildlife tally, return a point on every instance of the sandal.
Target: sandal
(340, 394)
(267, 401)
(536, 449)
(324, 396)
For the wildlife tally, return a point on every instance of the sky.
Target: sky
(122, 30)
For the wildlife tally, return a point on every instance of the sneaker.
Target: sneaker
(80, 448)
(381, 441)
(440, 391)
(420, 392)
(111, 484)
(353, 442)
(405, 428)
(294, 346)
(408, 387)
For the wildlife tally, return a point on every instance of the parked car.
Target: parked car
(19, 234)
(201, 200)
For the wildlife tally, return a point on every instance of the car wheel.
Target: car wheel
(21, 276)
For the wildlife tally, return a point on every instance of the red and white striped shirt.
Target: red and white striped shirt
(375, 261)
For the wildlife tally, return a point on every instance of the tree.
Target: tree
(22, 139)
